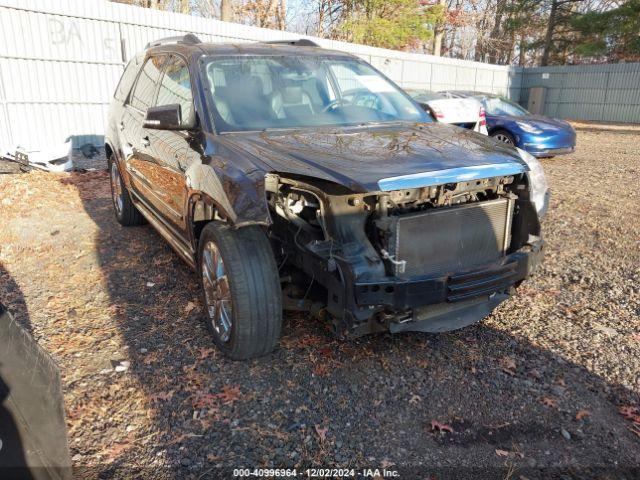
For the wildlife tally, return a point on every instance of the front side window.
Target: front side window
(502, 106)
(145, 88)
(127, 78)
(175, 88)
(262, 92)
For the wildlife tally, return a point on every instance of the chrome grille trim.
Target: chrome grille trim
(452, 175)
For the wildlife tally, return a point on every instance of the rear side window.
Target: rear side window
(175, 87)
(127, 79)
(142, 95)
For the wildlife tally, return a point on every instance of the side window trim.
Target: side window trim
(127, 103)
(166, 63)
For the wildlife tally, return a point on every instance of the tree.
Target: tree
(613, 35)
(226, 10)
(390, 23)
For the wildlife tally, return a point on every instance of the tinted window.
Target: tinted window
(127, 79)
(142, 96)
(176, 88)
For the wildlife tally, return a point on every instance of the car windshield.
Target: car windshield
(424, 95)
(502, 106)
(263, 92)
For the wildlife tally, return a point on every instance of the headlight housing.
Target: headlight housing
(538, 188)
(526, 127)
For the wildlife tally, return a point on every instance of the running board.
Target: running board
(182, 250)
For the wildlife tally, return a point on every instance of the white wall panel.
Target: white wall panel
(61, 59)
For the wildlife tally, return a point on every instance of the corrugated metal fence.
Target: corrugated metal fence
(61, 59)
(608, 93)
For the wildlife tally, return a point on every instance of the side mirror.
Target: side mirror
(164, 117)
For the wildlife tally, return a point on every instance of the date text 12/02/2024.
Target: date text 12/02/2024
(317, 472)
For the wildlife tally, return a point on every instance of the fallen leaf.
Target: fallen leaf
(190, 307)
(582, 414)
(150, 358)
(205, 400)
(630, 413)
(321, 370)
(386, 463)
(442, 427)
(115, 450)
(321, 432)
(205, 352)
(325, 352)
(213, 458)
(508, 365)
(229, 394)
(549, 402)
(502, 453)
(415, 399)
(161, 396)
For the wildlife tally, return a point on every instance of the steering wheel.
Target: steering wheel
(334, 103)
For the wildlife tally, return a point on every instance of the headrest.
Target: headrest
(292, 94)
(248, 85)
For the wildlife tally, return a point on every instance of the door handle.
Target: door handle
(145, 141)
(121, 126)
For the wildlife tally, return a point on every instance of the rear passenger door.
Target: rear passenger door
(135, 139)
(170, 148)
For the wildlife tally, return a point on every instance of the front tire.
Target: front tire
(126, 212)
(240, 289)
(504, 137)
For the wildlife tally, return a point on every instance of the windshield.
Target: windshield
(262, 92)
(502, 106)
(424, 96)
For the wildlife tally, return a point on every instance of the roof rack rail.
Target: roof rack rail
(301, 42)
(188, 39)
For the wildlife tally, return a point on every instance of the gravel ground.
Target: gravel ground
(546, 387)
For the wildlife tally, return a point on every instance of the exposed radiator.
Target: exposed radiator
(453, 239)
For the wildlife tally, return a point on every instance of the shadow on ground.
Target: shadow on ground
(513, 408)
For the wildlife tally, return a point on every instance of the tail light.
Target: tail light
(483, 117)
(437, 112)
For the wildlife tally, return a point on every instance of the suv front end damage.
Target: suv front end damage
(430, 252)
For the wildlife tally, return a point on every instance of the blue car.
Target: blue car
(508, 122)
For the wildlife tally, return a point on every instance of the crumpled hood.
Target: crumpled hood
(358, 158)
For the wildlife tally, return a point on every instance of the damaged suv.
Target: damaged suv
(293, 177)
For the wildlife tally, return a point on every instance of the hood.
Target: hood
(358, 158)
(547, 124)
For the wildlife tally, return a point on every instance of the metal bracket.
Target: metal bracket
(401, 264)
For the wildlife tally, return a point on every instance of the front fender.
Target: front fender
(240, 198)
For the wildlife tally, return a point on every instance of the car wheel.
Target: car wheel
(126, 212)
(241, 290)
(504, 137)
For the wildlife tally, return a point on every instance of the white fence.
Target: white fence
(61, 59)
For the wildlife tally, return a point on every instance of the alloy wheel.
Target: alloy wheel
(501, 137)
(217, 292)
(116, 189)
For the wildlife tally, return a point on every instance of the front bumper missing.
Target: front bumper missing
(448, 302)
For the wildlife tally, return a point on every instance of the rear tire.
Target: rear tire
(504, 137)
(243, 303)
(126, 212)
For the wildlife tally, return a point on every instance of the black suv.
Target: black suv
(293, 177)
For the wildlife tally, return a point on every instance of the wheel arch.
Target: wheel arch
(204, 208)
